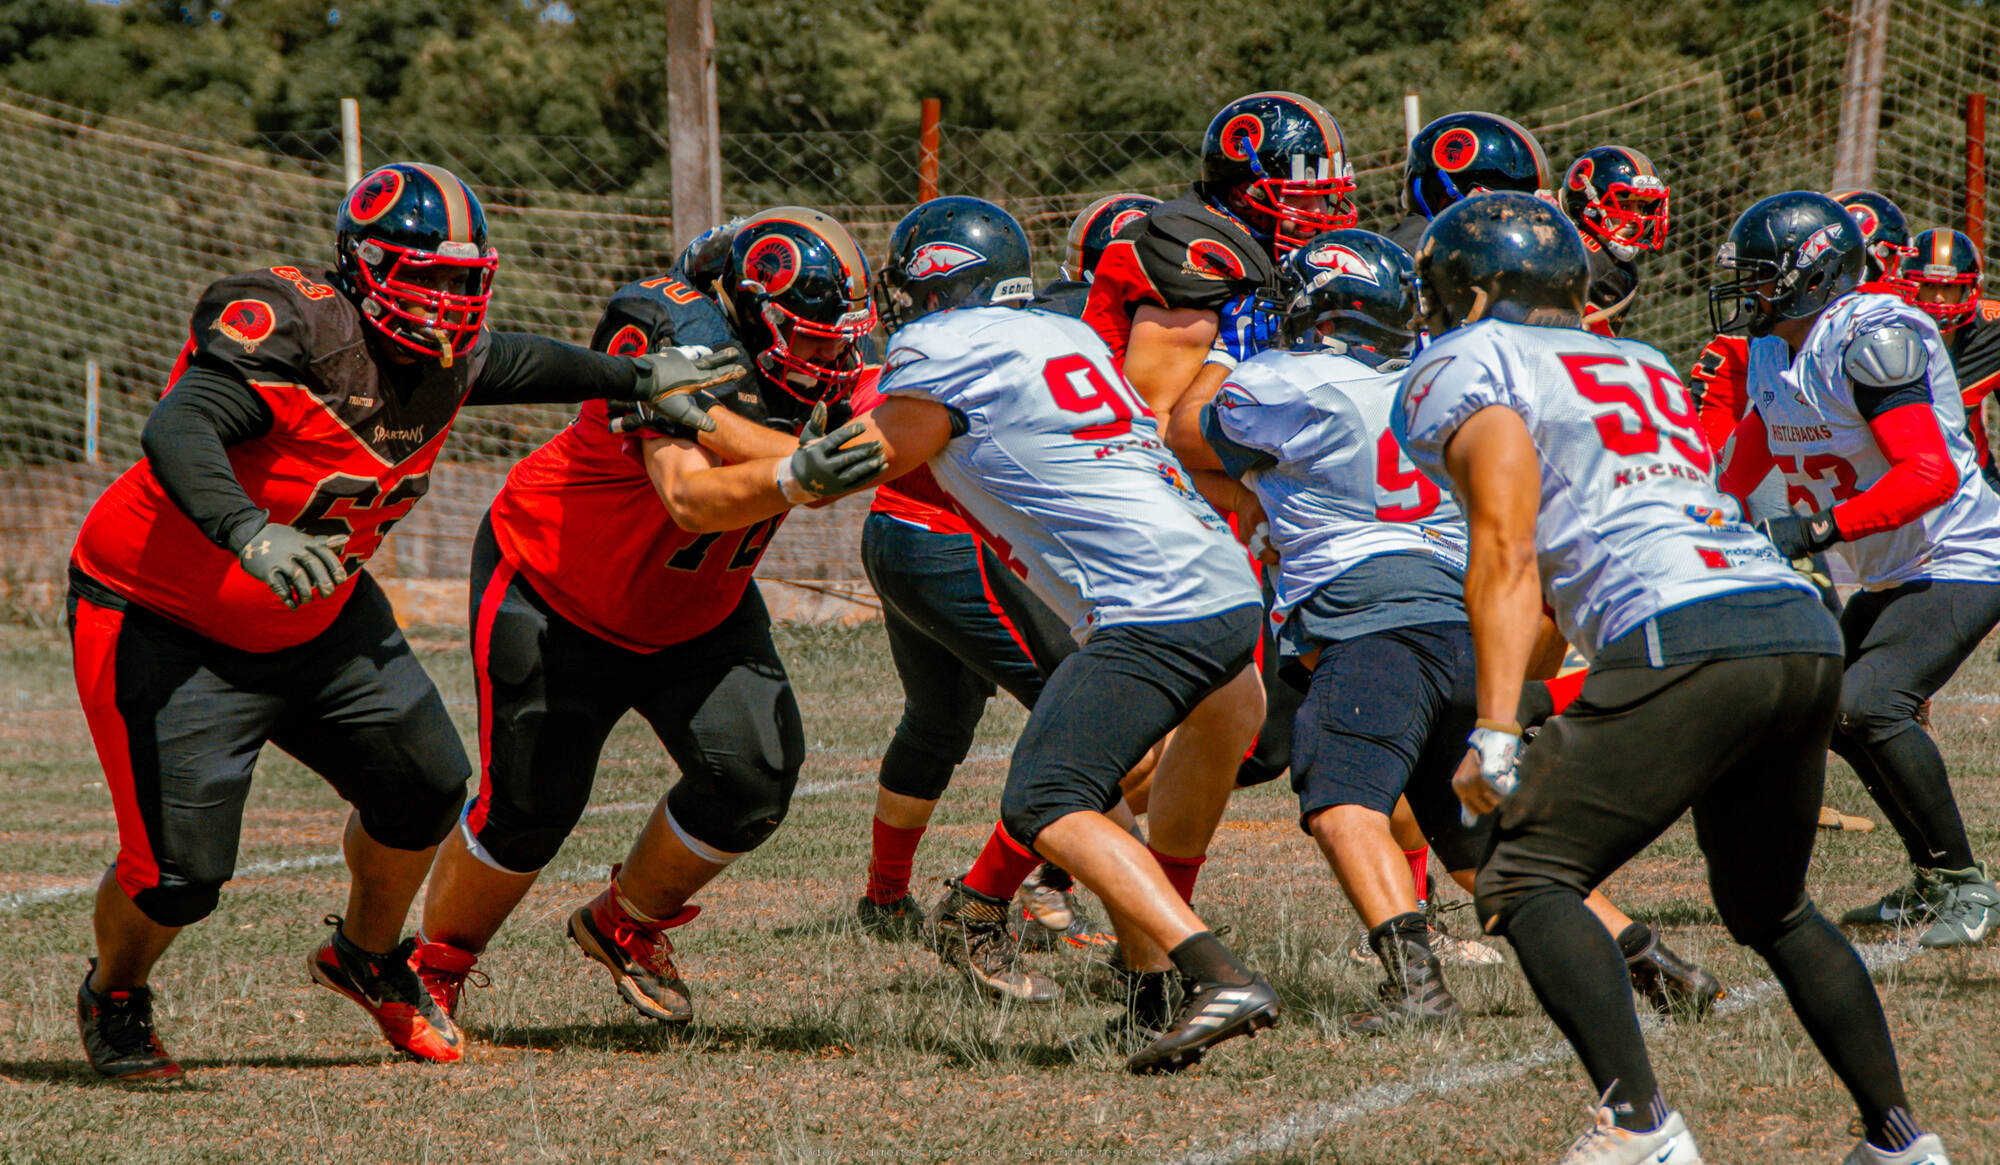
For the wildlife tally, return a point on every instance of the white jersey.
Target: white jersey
(1827, 453)
(1335, 486)
(1631, 522)
(1062, 469)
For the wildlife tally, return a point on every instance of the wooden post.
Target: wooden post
(1975, 170)
(92, 410)
(1861, 96)
(694, 124)
(350, 140)
(927, 151)
(1413, 118)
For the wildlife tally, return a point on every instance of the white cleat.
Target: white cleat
(1607, 1144)
(1928, 1150)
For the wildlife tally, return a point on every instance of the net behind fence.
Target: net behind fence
(114, 227)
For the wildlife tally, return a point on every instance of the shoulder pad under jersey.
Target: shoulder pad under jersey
(1890, 356)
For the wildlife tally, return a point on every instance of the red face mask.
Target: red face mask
(431, 303)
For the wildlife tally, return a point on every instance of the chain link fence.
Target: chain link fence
(114, 227)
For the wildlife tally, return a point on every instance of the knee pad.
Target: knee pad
(178, 903)
(909, 770)
(512, 849)
(421, 821)
(722, 815)
(1765, 930)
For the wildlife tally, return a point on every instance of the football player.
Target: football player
(1461, 154)
(1619, 205)
(1885, 238)
(1865, 422)
(1948, 278)
(1026, 423)
(218, 599)
(960, 627)
(613, 573)
(1715, 672)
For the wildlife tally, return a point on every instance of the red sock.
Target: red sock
(1181, 872)
(1563, 690)
(889, 864)
(1420, 870)
(1002, 866)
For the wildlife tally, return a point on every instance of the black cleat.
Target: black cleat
(118, 1034)
(1414, 994)
(1672, 984)
(1210, 1014)
(969, 932)
(898, 921)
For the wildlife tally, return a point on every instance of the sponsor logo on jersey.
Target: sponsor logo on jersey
(1801, 434)
(935, 259)
(1176, 477)
(1242, 135)
(1708, 516)
(1343, 261)
(773, 262)
(383, 434)
(627, 341)
(374, 195)
(1456, 149)
(1212, 259)
(1724, 557)
(1655, 470)
(247, 321)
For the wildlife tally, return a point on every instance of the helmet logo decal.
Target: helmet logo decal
(1456, 149)
(1242, 135)
(247, 321)
(374, 195)
(1579, 174)
(628, 341)
(1339, 260)
(934, 259)
(773, 262)
(1211, 259)
(1864, 216)
(1125, 218)
(1817, 244)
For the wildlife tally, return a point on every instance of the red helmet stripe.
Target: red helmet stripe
(458, 216)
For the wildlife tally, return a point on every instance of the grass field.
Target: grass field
(815, 1043)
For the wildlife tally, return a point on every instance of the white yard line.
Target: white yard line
(1308, 1123)
(9, 903)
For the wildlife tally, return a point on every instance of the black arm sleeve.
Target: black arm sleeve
(522, 369)
(1872, 401)
(184, 441)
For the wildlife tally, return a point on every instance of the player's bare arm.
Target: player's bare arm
(1169, 346)
(704, 495)
(1495, 473)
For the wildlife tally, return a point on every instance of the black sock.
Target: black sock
(1204, 959)
(1837, 1005)
(1579, 975)
(1911, 762)
(1055, 877)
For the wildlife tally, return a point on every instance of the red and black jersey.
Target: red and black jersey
(1975, 354)
(915, 497)
(1182, 254)
(580, 519)
(1718, 383)
(1614, 284)
(347, 451)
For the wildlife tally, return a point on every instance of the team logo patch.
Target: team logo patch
(773, 262)
(899, 359)
(935, 259)
(1989, 309)
(1579, 174)
(1228, 398)
(1864, 216)
(1455, 149)
(1241, 135)
(1125, 218)
(1211, 259)
(1421, 385)
(374, 195)
(627, 341)
(249, 322)
(1343, 261)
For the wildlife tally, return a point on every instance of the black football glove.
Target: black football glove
(678, 370)
(294, 564)
(822, 469)
(1798, 536)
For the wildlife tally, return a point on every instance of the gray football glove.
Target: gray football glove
(677, 370)
(822, 469)
(294, 564)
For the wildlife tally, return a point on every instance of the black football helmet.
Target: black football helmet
(706, 256)
(410, 249)
(1885, 235)
(1354, 286)
(1511, 256)
(1461, 154)
(1614, 196)
(953, 252)
(1786, 258)
(1948, 277)
(1265, 154)
(1094, 229)
(795, 275)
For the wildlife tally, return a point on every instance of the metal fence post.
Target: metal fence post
(93, 410)
(1975, 170)
(927, 151)
(1861, 96)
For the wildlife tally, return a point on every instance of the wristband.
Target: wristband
(1221, 356)
(1507, 726)
(788, 484)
